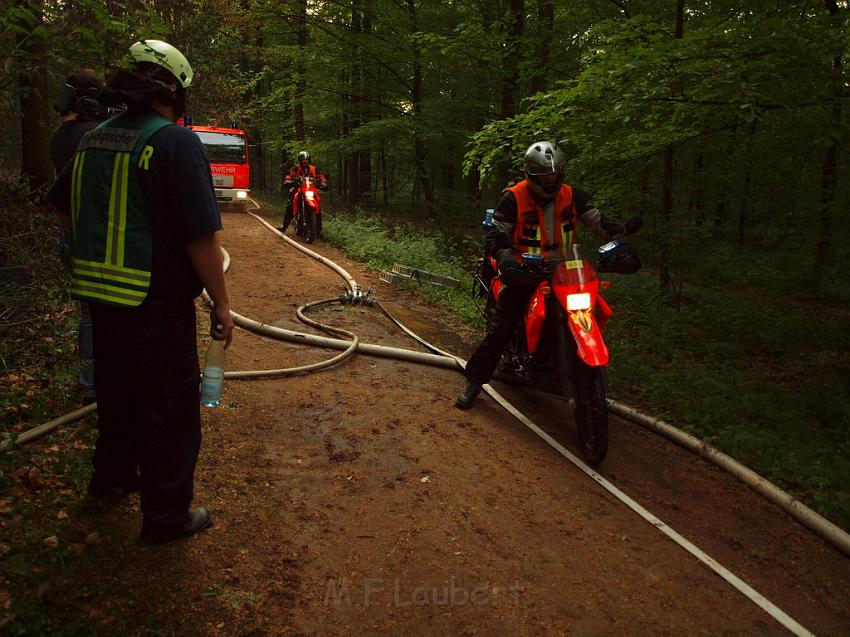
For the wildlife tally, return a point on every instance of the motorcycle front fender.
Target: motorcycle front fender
(535, 317)
(588, 337)
(313, 203)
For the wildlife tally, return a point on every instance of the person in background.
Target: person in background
(538, 214)
(145, 226)
(77, 103)
(292, 181)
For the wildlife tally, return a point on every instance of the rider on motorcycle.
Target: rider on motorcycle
(538, 215)
(292, 181)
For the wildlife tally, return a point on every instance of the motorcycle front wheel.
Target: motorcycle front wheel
(310, 224)
(591, 413)
(299, 220)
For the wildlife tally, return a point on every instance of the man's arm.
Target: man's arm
(205, 255)
(590, 217)
(501, 236)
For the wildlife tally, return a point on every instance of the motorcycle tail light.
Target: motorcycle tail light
(577, 302)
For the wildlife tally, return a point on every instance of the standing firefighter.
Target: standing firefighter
(538, 215)
(77, 103)
(145, 221)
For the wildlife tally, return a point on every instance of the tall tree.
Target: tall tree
(33, 88)
(510, 74)
(829, 176)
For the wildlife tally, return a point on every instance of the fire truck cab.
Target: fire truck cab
(227, 151)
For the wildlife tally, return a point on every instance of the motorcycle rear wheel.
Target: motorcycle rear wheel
(591, 413)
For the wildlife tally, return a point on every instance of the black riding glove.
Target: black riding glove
(511, 273)
(610, 226)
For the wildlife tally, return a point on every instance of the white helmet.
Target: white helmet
(166, 56)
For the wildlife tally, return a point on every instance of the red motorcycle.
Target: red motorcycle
(308, 209)
(558, 347)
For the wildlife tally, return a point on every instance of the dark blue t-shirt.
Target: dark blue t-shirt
(181, 204)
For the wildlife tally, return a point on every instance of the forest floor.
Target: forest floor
(358, 500)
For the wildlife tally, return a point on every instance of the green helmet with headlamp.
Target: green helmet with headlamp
(156, 70)
(166, 56)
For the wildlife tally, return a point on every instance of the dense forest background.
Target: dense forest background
(724, 125)
(717, 120)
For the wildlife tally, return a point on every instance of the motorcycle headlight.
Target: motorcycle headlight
(309, 194)
(241, 194)
(579, 301)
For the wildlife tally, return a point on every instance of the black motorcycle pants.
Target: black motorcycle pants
(149, 421)
(501, 326)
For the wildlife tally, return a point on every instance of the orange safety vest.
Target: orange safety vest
(530, 234)
(312, 171)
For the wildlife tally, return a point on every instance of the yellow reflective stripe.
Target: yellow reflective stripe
(104, 274)
(76, 189)
(566, 236)
(122, 214)
(117, 203)
(535, 249)
(107, 293)
(132, 272)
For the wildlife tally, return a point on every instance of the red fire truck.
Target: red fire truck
(227, 150)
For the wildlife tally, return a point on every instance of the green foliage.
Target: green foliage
(364, 237)
(749, 364)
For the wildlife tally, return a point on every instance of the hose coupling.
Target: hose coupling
(358, 297)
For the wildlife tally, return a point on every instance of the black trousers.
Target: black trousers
(501, 326)
(287, 216)
(149, 420)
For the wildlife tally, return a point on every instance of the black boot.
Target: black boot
(468, 396)
(196, 521)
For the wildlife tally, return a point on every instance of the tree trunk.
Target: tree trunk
(664, 239)
(34, 100)
(510, 77)
(300, 71)
(696, 206)
(383, 161)
(829, 174)
(746, 188)
(422, 183)
(664, 277)
(543, 44)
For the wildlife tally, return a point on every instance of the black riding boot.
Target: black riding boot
(468, 396)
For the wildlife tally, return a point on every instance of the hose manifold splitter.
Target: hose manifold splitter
(357, 297)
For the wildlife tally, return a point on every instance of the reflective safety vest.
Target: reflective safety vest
(531, 233)
(112, 237)
(311, 169)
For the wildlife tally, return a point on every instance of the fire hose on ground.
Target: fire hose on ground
(796, 509)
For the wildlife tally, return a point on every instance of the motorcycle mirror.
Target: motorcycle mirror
(633, 225)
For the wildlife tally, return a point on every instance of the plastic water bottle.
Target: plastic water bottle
(488, 218)
(213, 381)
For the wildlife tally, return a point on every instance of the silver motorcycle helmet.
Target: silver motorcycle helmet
(541, 159)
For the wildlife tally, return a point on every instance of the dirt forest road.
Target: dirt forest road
(359, 501)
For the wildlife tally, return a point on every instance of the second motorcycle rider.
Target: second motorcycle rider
(293, 179)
